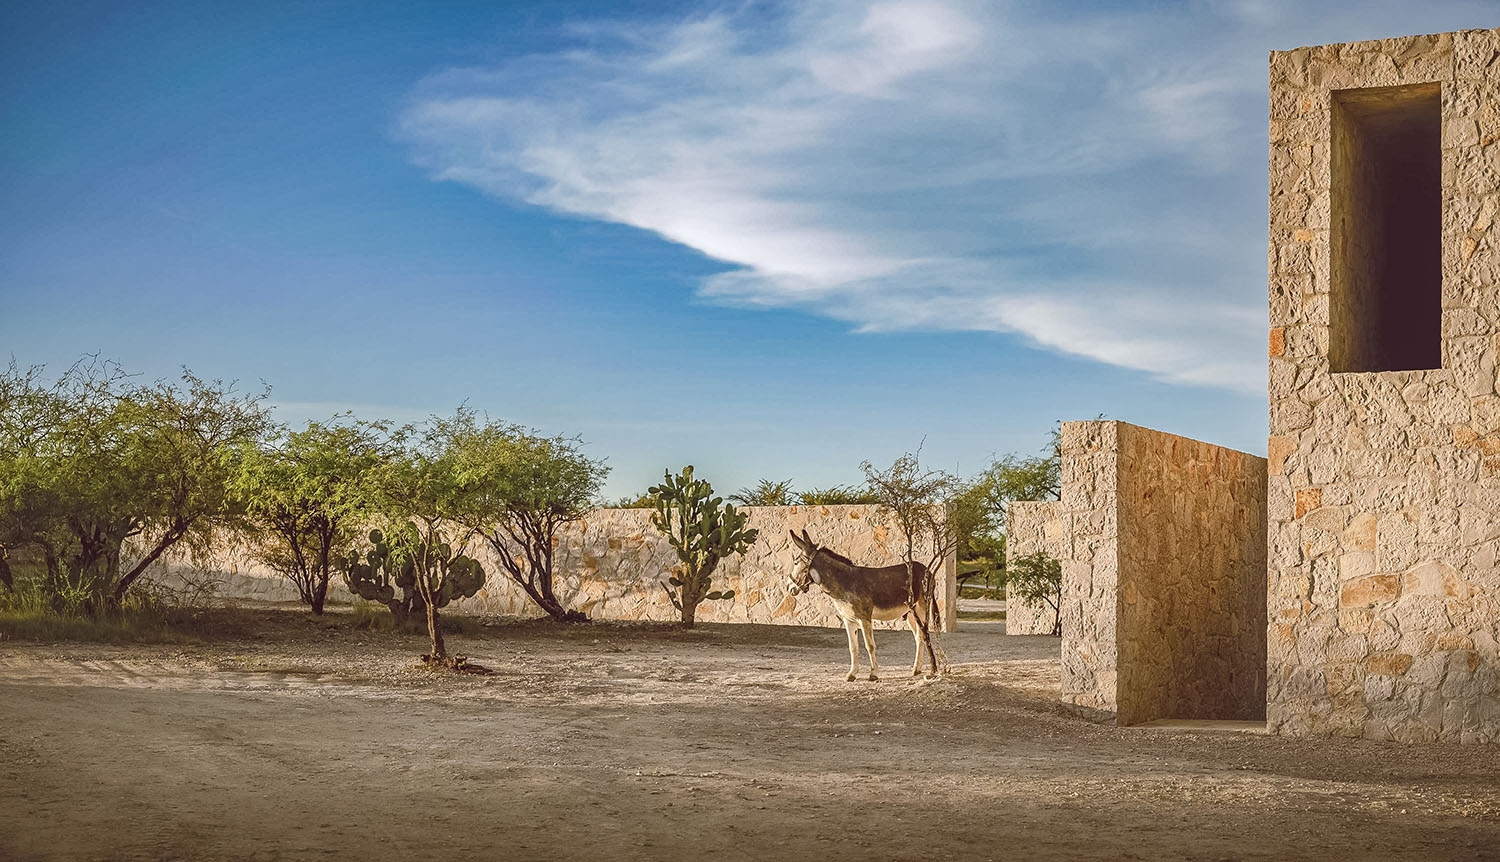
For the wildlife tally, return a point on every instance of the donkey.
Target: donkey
(862, 594)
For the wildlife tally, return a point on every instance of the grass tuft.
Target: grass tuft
(27, 615)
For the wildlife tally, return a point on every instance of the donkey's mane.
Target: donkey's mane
(836, 555)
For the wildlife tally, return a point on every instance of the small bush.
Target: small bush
(372, 616)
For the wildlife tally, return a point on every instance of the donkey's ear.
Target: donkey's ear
(794, 536)
(805, 537)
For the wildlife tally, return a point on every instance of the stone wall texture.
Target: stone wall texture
(610, 565)
(1163, 575)
(1089, 508)
(1384, 486)
(1031, 527)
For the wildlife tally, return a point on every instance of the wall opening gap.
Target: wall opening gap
(1385, 235)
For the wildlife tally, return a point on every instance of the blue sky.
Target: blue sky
(770, 240)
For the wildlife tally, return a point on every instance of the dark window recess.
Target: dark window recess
(1385, 310)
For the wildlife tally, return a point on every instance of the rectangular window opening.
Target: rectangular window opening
(1385, 307)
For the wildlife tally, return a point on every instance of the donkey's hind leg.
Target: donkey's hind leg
(867, 628)
(853, 649)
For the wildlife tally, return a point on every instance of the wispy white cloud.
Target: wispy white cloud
(1089, 180)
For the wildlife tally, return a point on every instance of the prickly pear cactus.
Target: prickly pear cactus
(703, 530)
(388, 572)
(464, 578)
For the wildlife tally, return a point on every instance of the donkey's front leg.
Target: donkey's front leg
(853, 650)
(867, 628)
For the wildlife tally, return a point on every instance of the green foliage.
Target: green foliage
(393, 570)
(1037, 578)
(765, 493)
(1016, 477)
(981, 547)
(703, 530)
(768, 493)
(306, 493)
(417, 496)
(640, 501)
(837, 495)
(980, 543)
(922, 503)
(28, 613)
(516, 489)
(94, 466)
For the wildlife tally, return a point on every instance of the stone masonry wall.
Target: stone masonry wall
(1089, 509)
(1163, 577)
(1192, 559)
(1384, 489)
(614, 561)
(610, 566)
(1031, 527)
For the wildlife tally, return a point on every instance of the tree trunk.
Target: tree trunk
(435, 630)
(547, 601)
(689, 612)
(320, 582)
(5, 575)
(319, 594)
(169, 539)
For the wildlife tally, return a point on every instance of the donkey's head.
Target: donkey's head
(803, 575)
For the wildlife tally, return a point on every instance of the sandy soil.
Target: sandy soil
(290, 739)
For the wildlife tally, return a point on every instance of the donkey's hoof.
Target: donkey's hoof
(874, 678)
(849, 678)
(916, 672)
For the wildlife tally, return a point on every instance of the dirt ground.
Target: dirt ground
(290, 739)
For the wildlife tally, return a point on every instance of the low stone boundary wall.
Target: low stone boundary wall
(610, 565)
(1164, 575)
(1031, 527)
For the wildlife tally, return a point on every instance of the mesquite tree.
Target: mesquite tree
(703, 530)
(94, 461)
(307, 493)
(417, 496)
(517, 488)
(920, 501)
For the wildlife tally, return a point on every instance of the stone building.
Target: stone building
(1380, 497)
(1384, 449)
